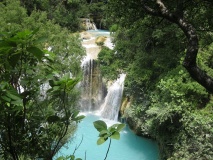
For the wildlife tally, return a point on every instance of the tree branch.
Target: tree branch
(189, 63)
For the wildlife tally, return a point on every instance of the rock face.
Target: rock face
(125, 105)
(133, 121)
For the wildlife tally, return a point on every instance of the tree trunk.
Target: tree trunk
(189, 63)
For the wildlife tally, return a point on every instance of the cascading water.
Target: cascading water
(94, 97)
(88, 24)
(111, 106)
(92, 86)
(94, 26)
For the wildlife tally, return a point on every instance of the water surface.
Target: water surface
(129, 147)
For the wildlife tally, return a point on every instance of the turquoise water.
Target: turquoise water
(99, 32)
(129, 147)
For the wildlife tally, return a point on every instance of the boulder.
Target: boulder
(100, 40)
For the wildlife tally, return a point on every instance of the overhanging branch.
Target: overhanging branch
(189, 63)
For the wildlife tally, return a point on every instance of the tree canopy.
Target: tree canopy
(187, 15)
(39, 69)
(165, 48)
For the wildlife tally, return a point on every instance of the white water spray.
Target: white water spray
(112, 103)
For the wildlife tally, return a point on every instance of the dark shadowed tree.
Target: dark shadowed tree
(182, 13)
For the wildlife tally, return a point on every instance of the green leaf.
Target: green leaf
(115, 135)
(103, 133)
(23, 35)
(36, 52)
(7, 99)
(56, 88)
(75, 113)
(112, 129)
(79, 118)
(60, 158)
(100, 141)
(120, 127)
(71, 83)
(78, 159)
(100, 125)
(12, 95)
(72, 157)
(17, 102)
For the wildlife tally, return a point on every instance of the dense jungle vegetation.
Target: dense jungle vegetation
(168, 85)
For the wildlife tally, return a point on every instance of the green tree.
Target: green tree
(179, 13)
(35, 122)
(66, 13)
(166, 104)
(39, 70)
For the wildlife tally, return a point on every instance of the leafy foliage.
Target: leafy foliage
(37, 118)
(30, 113)
(165, 103)
(107, 133)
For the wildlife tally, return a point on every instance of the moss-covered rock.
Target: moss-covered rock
(100, 40)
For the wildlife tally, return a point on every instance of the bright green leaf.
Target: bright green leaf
(100, 141)
(13, 96)
(75, 113)
(6, 98)
(100, 125)
(79, 118)
(60, 158)
(111, 129)
(103, 133)
(23, 34)
(115, 135)
(120, 127)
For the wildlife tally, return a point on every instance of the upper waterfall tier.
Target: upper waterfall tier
(88, 24)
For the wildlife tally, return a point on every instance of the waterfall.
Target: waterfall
(94, 26)
(93, 90)
(89, 24)
(112, 103)
(95, 96)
